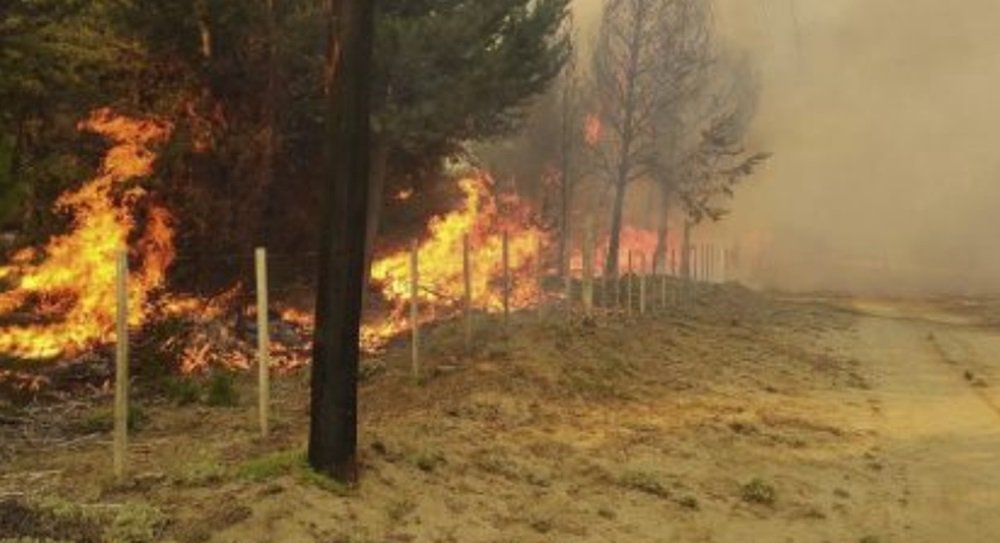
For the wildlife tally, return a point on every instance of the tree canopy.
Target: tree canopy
(237, 77)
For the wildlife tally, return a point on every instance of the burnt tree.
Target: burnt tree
(686, 55)
(625, 63)
(333, 418)
(569, 133)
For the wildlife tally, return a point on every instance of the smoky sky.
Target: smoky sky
(883, 117)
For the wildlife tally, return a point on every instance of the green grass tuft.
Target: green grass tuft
(182, 391)
(759, 492)
(289, 463)
(644, 481)
(222, 390)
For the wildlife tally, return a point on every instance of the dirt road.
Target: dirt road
(934, 375)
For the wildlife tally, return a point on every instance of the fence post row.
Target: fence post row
(663, 283)
(642, 283)
(588, 267)
(628, 285)
(263, 343)
(606, 287)
(120, 440)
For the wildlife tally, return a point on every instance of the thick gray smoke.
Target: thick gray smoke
(883, 118)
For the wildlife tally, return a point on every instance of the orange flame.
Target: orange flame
(641, 243)
(592, 130)
(68, 286)
(72, 285)
(484, 219)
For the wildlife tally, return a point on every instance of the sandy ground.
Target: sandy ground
(734, 417)
(940, 423)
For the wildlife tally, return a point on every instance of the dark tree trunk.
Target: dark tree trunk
(564, 218)
(566, 202)
(333, 418)
(686, 252)
(614, 236)
(662, 232)
(376, 200)
(626, 161)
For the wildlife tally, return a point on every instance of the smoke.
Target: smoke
(882, 116)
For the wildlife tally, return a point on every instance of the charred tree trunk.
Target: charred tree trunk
(566, 152)
(686, 252)
(376, 200)
(333, 417)
(628, 135)
(611, 264)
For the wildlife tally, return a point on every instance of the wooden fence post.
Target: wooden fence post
(642, 283)
(676, 267)
(588, 267)
(263, 343)
(540, 277)
(693, 263)
(713, 263)
(121, 366)
(702, 258)
(606, 289)
(467, 276)
(616, 284)
(699, 264)
(725, 263)
(628, 296)
(506, 279)
(414, 308)
(710, 263)
(663, 281)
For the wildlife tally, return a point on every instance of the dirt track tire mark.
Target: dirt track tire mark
(942, 442)
(978, 387)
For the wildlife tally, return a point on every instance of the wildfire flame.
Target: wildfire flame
(71, 283)
(642, 243)
(67, 286)
(592, 129)
(485, 219)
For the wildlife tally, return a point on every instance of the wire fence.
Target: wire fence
(270, 280)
